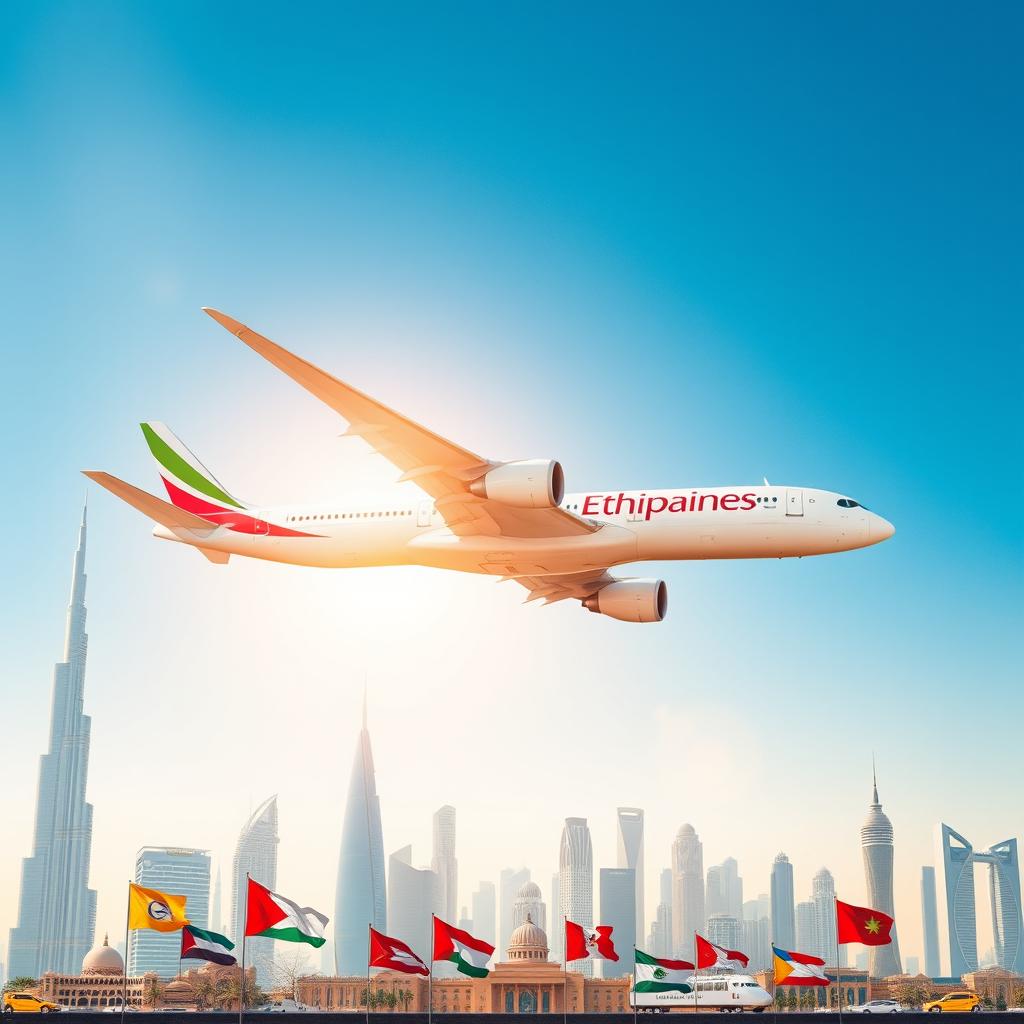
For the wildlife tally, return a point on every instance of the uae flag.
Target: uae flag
(650, 974)
(394, 955)
(276, 917)
(710, 955)
(470, 955)
(862, 924)
(197, 944)
(589, 943)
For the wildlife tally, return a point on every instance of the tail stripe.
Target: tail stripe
(177, 466)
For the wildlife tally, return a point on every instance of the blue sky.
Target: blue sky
(685, 244)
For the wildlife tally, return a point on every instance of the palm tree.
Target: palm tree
(203, 991)
(152, 993)
(20, 983)
(406, 996)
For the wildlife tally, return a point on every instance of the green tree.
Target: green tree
(152, 992)
(20, 983)
(791, 1000)
(406, 996)
(203, 991)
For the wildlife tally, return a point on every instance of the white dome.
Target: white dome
(528, 942)
(529, 891)
(103, 960)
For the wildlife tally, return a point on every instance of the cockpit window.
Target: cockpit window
(850, 503)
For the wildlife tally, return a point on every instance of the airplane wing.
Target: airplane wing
(578, 585)
(441, 468)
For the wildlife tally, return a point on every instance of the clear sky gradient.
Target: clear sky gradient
(670, 245)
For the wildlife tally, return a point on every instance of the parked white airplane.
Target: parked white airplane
(506, 519)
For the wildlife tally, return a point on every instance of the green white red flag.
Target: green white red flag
(276, 917)
(469, 954)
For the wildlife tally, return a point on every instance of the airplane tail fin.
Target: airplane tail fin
(190, 485)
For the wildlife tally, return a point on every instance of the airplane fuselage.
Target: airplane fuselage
(664, 525)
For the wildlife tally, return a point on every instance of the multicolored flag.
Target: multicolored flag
(589, 943)
(197, 944)
(798, 968)
(651, 974)
(276, 917)
(150, 908)
(470, 955)
(862, 924)
(394, 954)
(710, 955)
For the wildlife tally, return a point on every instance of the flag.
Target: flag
(276, 917)
(710, 955)
(653, 975)
(470, 955)
(861, 924)
(798, 968)
(589, 943)
(149, 908)
(394, 954)
(197, 944)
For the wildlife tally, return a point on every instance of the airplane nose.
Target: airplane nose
(881, 529)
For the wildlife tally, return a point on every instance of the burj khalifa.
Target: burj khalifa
(57, 909)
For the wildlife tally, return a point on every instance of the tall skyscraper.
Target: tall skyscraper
(724, 930)
(876, 840)
(255, 857)
(757, 943)
(510, 882)
(724, 891)
(576, 881)
(56, 908)
(216, 901)
(529, 903)
(782, 903)
(484, 910)
(688, 915)
(930, 923)
(823, 895)
(660, 941)
(806, 927)
(360, 896)
(444, 864)
(618, 909)
(631, 855)
(413, 895)
(956, 903)
(183, 872)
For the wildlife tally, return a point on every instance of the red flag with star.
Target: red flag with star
(862, 924)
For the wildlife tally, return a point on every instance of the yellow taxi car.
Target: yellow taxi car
(955, 1002)
(25, 1002)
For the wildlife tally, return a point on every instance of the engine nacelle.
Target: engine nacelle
(631, 600)
(533, 483)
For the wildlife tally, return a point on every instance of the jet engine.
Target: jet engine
(631, 600)
(533, 483)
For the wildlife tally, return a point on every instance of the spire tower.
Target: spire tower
(57, 909)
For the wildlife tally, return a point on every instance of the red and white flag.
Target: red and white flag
(589, 943)
(395, 955)
(710, 955)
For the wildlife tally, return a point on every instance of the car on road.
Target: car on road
(25, 1002)
(877, 1006)
(955, 1002)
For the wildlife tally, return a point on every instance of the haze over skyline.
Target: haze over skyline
(659, 250)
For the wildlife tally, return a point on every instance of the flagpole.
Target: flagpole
(127, 919)
(839, 973)
(245, 923)
(634, 982)
(430, 975)
(775, 989)
(369, 956)
(565, 970)
(696, 972)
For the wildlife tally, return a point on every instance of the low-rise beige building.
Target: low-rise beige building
(525, 982)
(101, 984)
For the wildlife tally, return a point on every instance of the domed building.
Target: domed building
(101, 983)
(528, 903)
(524, 982)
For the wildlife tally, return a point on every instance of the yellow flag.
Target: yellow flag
(148, 908)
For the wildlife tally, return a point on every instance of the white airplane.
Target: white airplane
(511, 520)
